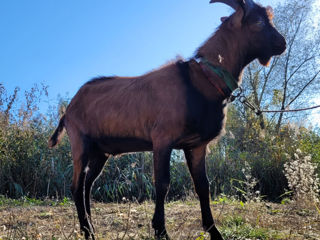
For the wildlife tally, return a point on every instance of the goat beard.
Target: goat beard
(265, 61)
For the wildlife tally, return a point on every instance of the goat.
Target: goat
(179, 106)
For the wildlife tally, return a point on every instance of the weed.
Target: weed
(247, 186)
(133, 221)
(302, 178)
(235, 227)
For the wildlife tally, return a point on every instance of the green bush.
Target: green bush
(28, 168)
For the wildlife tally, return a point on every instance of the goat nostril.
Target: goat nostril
(281, 44)
(279, 41)
(279, 47)
(284, 43)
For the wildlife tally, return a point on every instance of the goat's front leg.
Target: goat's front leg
(161, 156)
(196, 163)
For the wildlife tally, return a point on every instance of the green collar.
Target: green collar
(226, 76)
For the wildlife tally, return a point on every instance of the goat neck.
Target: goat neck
(225, 49)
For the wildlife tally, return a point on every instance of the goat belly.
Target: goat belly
(189, 141)
(119, 145)
(200, 137)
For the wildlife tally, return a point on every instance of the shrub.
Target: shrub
(302, 178)
(28, 168)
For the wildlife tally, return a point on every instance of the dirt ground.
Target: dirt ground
(183, 220)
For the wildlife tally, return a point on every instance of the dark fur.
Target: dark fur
(100, 79)
(174, 107)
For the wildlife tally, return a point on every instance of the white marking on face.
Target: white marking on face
(220, 58)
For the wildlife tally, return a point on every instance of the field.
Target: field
(34, 219)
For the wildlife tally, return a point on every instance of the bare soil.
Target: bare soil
(183, 220)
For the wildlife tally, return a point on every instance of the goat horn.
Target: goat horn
(232, 3)
(247, 5)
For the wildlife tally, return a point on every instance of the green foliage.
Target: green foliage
(29, 169)
(277, 97)
(181, 184)
(26, 201)
(27, 166)
(265, 150)
(201, 236)
(235, 227)
(128, 177)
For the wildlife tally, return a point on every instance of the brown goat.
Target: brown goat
(180, 106)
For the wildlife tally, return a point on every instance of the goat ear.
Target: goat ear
(269, 12)
(223, 19)
(236, 18)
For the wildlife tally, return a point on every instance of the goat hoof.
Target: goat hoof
(89, 236)
(161, 235)
(215, 235)
(87, 233)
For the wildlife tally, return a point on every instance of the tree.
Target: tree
(291, 80)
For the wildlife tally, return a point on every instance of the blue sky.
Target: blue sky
(65, 43)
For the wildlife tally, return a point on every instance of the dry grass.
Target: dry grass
(133, 221)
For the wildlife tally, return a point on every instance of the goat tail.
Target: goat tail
(58, 134)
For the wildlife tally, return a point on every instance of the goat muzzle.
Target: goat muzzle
(279, 46)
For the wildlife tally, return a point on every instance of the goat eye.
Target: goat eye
(260, 24)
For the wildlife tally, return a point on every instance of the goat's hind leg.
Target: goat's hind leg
(97, 160)
(196, 163)
(80, 162)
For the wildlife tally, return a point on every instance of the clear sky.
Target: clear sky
(64, 43)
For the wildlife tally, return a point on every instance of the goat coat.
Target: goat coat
(124, 114)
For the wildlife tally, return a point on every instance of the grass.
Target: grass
(48, 219)
(25, 201)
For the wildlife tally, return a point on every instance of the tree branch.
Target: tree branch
(301, 91)
(266, 78)
(297, 69)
